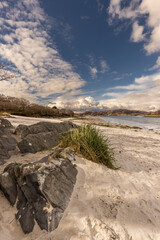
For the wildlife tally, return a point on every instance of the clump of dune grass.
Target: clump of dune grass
(88, 141)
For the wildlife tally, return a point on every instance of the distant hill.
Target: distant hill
(21, 106)
(117, 112)
(121, 112)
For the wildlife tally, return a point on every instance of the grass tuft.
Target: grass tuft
(88, 141)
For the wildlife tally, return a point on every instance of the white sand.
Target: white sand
(16, 120)
(106, 204)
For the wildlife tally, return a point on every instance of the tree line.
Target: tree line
(20, 106)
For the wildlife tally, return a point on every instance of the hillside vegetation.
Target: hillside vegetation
(20, 106)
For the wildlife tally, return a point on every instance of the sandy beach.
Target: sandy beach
(105, 204)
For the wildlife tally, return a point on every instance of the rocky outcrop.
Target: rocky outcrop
(33, 138)
(7, 142)
(41, 136)
(41, 189)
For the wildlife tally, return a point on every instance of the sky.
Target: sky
(82, 54)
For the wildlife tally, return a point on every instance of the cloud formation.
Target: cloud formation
(82, 103)
(157, 65)
(100, 68)
(146, 9)
(93, 71)
(104, 66)
(39, 70)
(137, 33)
(143, 94)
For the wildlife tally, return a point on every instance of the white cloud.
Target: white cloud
(137, 33)
(93, 71)
(112, 94)
(82, 103)
(145, 101)
(100, 68)
(130, 87)
(147, 9)
(157, 65)
(39, 69)
(154, 42)
(3, 4)
(143, 94)
(125, 75)
(104, 66)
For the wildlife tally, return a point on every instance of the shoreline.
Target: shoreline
(99, 121)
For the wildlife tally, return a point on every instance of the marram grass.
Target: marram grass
(87, 141)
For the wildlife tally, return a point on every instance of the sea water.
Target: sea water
(137, 121)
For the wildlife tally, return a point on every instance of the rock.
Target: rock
(59, 191)
(44, 189)
(5, 126)
(43, 127)
(41, 136)
(3, 151)
(37, 142)
(8, 184)
(26, 219)
(7, 142)
(20, 130)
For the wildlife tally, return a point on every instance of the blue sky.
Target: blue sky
(88, 54)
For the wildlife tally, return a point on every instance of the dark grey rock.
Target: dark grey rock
(21, 129)
(41, 136)
(5, 126)
(43, 190)
(59, 191)
(8, 184)
(26, 219)
(37, 142)
(7, 142)
(43, 127)
(3, 151)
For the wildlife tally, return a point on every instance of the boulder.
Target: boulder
(20, 130)
(26, 219)
(42, 189)
(41, 127)
(5, 126)
(41, 136)
(8, 183)
(7, 142)
(38, 142)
